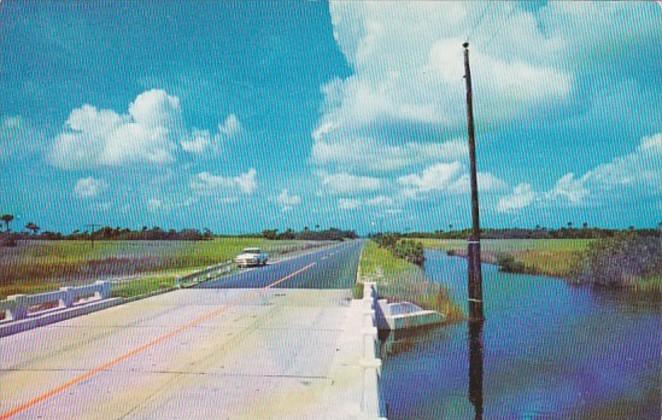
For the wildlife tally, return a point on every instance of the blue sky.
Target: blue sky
(240, 116)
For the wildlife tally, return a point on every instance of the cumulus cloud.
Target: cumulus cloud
(349, 203)
(451, 178)
(102, 137)
(345, 183)
(203, 141)
(207, 183)
(407, 77)
(287, 201)
(367, 154)
(149, 132)
(635, 173)
(231, 127)
(154, 205)
(89, 187)
(521, 197)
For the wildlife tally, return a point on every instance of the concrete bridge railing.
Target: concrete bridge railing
(372, 404)
(19, 307)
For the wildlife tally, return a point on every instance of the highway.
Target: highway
(328, 268)
(274, 341)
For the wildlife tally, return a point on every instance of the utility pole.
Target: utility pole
(473, 246)
(92, 226)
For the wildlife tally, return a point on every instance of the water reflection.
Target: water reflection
(476, 367)
(545, 349)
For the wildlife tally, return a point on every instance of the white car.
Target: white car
(251, 257)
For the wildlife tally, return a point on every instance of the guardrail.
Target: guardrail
(205, 274)
(19, 307)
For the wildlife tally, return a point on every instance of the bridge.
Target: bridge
(283, 341)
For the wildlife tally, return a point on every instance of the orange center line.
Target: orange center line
(105, 366)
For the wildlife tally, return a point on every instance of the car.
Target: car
(251, 257)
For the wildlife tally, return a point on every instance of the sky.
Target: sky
(242, 116)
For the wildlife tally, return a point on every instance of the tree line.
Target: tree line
(570, 232)
(307, 234)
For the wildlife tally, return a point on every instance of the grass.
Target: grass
(553, 257)
(40, 266)
(399, 280)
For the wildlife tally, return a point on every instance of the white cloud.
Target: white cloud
(344, 183)
(380, 201)
(349, 203)
(101, 137)
(435, 177)
(202, 141)
(568, 188)
(287, 201)
(197, 142)
(154, 205)
(207, 183)
(231, 127)
(407, 67)
(89, 187)
(451, 178)
(636, 173)
(521, 197)
(366, 154)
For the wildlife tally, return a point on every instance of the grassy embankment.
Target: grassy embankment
(583, 261)
(399, 280)
(552, 257)
(39, 266)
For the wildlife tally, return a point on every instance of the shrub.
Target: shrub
(508, 264)
(621, 261)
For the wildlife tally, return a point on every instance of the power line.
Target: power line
(499, 28)
(478, 22)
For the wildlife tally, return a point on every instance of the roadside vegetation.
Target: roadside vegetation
(40, 265)
(552, 257)
(399, 280)
(628, 260)
(407, 249)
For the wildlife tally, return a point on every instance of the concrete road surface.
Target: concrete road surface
(274, 348)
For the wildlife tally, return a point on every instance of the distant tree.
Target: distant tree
(450, 226)
(585, 225)
(317, 227)
(7, 218)
(32, 227)
(631, 227)
(537, 227)
(270, 233)
(569, 225)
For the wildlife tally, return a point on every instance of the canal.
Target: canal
(547, 349)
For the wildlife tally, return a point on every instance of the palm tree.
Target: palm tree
(569, 225)
(33, 227)
(585, 225)
(7, 218)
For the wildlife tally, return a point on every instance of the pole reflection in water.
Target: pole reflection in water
(476, 366)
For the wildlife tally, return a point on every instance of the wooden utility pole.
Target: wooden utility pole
(92, 226)
(473, 246)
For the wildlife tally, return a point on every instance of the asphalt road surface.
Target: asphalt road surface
(329, 268)
(256, 344)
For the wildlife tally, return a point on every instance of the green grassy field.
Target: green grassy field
(554, 257)
(399, 280)
(38, 266)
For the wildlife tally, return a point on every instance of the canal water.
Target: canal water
(546, 350)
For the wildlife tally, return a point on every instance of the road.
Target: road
(265, 342)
